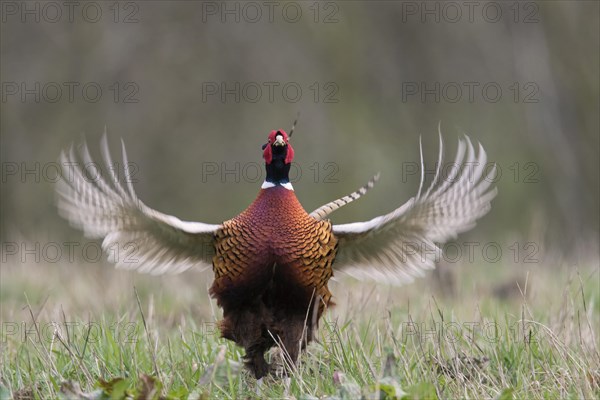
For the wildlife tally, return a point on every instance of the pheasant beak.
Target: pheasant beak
(279, 141)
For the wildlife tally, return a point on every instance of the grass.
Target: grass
(513, 331)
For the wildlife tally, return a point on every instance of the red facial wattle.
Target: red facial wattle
(268, 152)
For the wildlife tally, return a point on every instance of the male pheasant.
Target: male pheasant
(272, 262)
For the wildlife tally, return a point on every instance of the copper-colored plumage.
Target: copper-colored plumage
(271, 266)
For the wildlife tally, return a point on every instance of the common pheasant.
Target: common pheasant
(272, 262)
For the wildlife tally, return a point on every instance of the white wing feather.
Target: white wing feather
(399, 246)
(135, 236)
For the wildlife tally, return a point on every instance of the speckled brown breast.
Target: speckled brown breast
(275, 251)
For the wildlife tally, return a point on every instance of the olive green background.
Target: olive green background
(354, 62)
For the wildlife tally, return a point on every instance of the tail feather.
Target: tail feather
(322, 212)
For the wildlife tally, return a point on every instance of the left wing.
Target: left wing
(396, 247)
(135, 236)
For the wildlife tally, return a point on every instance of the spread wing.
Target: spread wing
(135, 236)
(399, 246)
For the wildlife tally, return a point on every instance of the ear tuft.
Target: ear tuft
(268, 154)
(290, 153)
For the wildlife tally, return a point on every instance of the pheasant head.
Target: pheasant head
(278, 154)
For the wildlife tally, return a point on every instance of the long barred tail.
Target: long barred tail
(322, 212)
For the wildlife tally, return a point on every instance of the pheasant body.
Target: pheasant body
(271, 267)
(272, 262)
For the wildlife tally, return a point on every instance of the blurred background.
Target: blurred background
(194, 88)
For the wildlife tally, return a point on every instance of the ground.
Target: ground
(469, 331)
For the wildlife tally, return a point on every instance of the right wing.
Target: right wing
(401, 245)
(135, 236)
